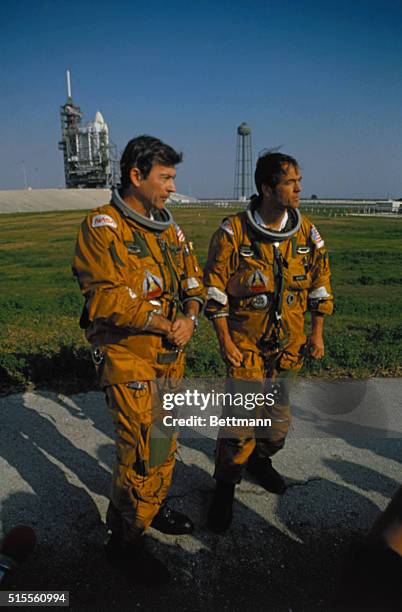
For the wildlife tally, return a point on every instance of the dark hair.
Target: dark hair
(270, 168)
(143, 152)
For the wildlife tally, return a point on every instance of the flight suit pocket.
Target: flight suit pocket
(161, 440)
(297, 275)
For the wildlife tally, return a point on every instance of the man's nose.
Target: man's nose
(298, 187)
(171, 186)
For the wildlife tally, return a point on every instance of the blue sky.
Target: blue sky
(320, 78)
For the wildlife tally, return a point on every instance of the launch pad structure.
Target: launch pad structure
(90, 159)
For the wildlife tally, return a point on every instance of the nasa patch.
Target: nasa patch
(102, 220)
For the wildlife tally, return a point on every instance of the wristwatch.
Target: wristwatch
(194, 319)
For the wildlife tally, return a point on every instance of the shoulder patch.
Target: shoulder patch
(315, 236)
(227, 226)
(101, 220)
(179, 233)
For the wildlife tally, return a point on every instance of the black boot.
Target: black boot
(172, 522)
(266, 475)
(221, 509)
(136, 562)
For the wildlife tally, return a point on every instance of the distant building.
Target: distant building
(178, 198)
(90, 159)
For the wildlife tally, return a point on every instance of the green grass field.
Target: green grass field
(40, 304)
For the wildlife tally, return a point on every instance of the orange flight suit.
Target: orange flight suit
(264, 281)
(130, 267)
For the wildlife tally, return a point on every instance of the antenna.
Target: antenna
(68, 84)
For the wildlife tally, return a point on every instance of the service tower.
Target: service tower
(90, 159)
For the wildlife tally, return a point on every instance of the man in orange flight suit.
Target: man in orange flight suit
(266, 267)
(143, 290)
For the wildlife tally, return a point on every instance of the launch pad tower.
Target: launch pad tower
(90, 159)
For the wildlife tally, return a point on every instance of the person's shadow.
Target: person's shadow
(278, 554)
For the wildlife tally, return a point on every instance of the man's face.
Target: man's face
(287, 192)
(156, 188)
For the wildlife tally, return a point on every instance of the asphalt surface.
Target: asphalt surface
(282, 553)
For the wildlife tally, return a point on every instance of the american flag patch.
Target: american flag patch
(227, 226)
(180, 234)
(315, 236)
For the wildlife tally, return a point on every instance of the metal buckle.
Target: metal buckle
(303, 250)
(246, 251)
(260, 302)
(136, 384)
(97, 356)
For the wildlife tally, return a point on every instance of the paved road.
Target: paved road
(282, 552)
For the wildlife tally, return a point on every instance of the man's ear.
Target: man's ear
(267, 191)
(135, 176)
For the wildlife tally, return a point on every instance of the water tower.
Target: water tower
(243, 178)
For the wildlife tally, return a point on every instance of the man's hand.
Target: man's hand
(315, 345)
(230, 353)
(181, 331)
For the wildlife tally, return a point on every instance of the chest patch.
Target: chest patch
(257, 282)
(102, 220)
(152, 285)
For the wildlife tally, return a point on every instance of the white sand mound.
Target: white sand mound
(42, 200)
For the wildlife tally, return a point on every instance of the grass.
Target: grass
(40, 304)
